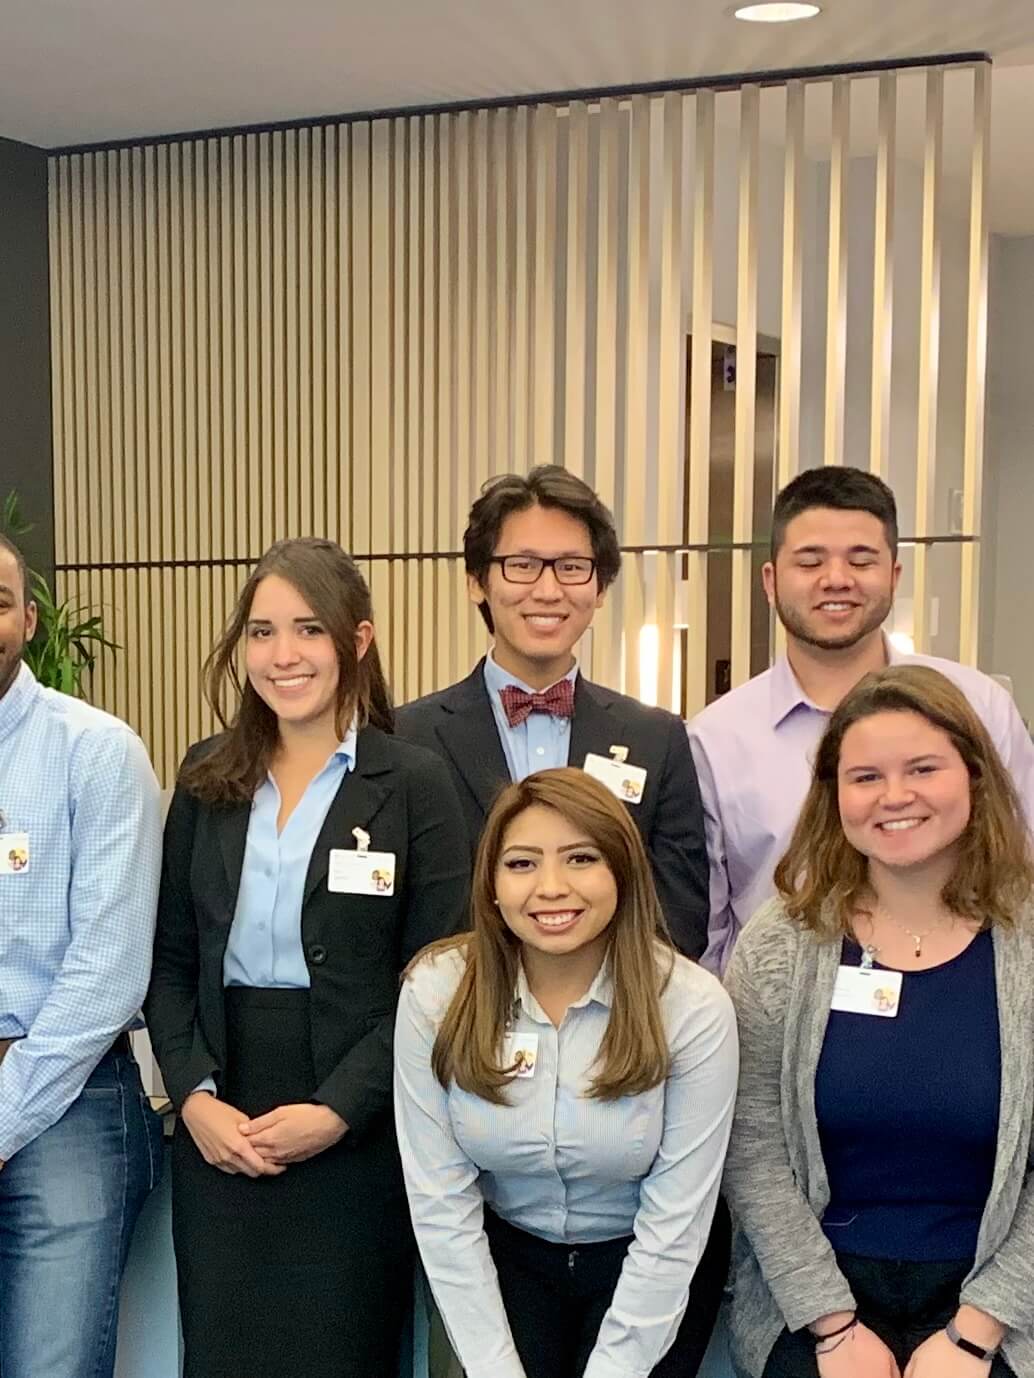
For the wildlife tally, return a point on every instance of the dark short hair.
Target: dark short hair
(23, 569)
(547, 485)
(840, 487)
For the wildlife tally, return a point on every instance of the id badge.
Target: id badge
(520, 1052)
(14, 853)
(621, 778)
(361, 872)
(867, 990)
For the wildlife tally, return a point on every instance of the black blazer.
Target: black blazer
(355, 945)
(459, 725)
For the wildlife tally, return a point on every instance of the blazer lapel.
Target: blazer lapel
(359, 796)
(593, 727)
(231, 827)
(468, 733)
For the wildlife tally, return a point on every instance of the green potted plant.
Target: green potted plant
(67, 643)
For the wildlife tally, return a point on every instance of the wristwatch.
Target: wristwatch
(967, 1346)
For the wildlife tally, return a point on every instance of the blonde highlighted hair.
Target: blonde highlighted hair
(824, 881)
(634, 1053)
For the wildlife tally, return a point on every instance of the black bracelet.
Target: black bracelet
(832, 1334)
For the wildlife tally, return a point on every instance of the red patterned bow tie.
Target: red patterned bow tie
(558, 700)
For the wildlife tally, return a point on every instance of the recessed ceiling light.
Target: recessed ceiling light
(777, 12)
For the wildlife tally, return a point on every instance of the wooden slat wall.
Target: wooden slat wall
(345, 330)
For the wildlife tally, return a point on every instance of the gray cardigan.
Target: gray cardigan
(781, 982)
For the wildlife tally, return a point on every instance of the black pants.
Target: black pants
(308, 1273)
(556, 1297)
(904, 1303)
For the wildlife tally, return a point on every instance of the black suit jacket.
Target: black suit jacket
(459, 725)
(355, 945)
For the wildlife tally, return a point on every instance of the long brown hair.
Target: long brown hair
(634, 1053)
(823, 880)
(331, 584)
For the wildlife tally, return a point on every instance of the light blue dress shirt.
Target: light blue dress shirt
(566, 1168)
(265, 943)
(541, 742)
(77, 924)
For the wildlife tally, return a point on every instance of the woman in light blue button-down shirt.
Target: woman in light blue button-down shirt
(564, 1086)
(276, 971)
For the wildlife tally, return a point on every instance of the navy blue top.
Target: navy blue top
(908, 1113)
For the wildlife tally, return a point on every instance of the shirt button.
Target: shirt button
(317, 954)
(540, 751)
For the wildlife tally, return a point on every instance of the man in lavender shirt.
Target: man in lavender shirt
(831, 581)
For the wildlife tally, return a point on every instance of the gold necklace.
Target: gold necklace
(917, 938)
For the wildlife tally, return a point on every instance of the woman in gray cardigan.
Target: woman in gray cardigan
(881, 1150)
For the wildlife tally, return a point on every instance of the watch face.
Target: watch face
(967, 1346)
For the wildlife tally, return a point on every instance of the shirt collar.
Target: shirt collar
(787, 693)
(18, 700)
(601, 992)
(346, 749)
(496, 678)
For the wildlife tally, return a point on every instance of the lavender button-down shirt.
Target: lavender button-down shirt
(754, 750)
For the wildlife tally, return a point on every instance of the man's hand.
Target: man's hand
(292, 1133)
(216, 1129)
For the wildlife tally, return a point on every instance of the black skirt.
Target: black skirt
(309, 1272)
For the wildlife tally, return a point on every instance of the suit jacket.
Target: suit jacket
(458, 724)
(355, 945)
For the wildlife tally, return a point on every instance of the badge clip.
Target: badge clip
(362, 840)
(620, 754)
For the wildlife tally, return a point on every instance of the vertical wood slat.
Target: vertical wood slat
(883, 278)
(543, 378)
(523, 240)
(746, 380)
(929, 353)
(789, 441)
(576, 289)
(695, 677)
(671, 390)
(637, 353)
(976, 366)
(606, 644)
(836, 274)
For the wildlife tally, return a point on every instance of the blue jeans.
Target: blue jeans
(68, 1204)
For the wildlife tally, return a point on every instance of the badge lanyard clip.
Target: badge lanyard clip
(362, 841)
(620, 754)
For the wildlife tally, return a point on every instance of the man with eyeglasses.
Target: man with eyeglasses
(540, 552)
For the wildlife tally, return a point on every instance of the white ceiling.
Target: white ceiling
(84, 71)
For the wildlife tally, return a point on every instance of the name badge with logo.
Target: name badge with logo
(14, 853)
(361, 872)
(867, 990)
(615, 771)
(520, 1053)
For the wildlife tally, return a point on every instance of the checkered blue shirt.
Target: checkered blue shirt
(76, 921)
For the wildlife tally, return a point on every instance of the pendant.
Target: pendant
(918, 937)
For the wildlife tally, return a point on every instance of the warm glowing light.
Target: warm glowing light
(776, 12)
(901, 641)
(649, 655)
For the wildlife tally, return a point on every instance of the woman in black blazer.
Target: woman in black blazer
(309, 854)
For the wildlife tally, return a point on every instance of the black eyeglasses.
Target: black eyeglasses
(527, 569)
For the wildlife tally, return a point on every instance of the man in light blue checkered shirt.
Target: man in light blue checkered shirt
(80, 847)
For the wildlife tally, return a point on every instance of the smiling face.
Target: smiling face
(537, 625)
(833, 580)
(17, 619)
(291, 661)
(903, 790)
(555, 891)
